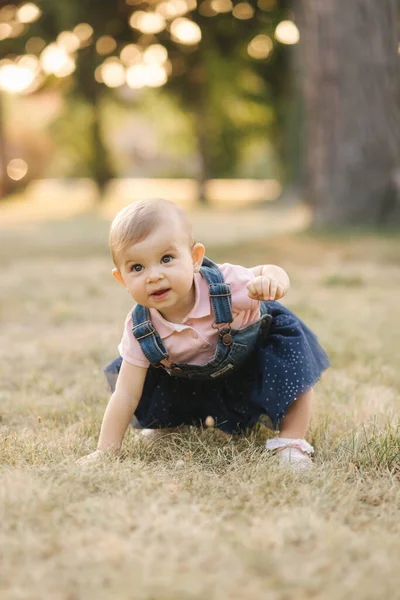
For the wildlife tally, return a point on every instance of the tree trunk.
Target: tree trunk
(350, 83)
(202, 173)
(100, 165)
(4, 179)
(196, 99)
(102, 170)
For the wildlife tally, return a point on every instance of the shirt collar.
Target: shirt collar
(201, 308)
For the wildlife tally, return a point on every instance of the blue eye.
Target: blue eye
(166, 259)
(136, 268)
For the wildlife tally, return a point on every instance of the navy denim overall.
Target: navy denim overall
(232, 386)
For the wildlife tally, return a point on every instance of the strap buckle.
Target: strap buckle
(225, 333)
(168, 366)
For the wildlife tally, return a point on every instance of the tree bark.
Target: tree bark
(203, 171)
(349, 77)
(102, 170)
(4, 180)
(101, 167)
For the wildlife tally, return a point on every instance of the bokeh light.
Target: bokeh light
(185, 31)
(17, 168)
(97, 75)
(28, 13)
(112, 73)
(243, 11)
(260, 47)
(155, 54)
(206, 10)
(287, 33)
(8, 12)
(30, 62)
(172, 9)
(67, 68)
(68, 40)
(35, 45)
(147, 22)
(156, 75)
(136, 76)
(221, 6)
(16, 78)
(56, 61)
(139, 76)
(106, 44)
(83, 31)
(16, 29)
(5, 31)
(131, 53)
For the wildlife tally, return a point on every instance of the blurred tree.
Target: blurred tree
(350, 80)
(100, 18)
(226, 91)
(223, 66)
(4, 179)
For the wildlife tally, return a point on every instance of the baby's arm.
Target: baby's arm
(120, 409)
(270, 283)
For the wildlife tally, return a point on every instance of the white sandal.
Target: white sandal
(293, 452)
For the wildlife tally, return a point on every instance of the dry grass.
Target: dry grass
(194, 516)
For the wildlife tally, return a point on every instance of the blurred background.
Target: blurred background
(212, 102)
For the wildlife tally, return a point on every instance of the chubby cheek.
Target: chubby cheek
(186, 281)
(135, 290)
(138, 292)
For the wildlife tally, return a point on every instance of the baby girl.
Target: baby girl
(205, 342)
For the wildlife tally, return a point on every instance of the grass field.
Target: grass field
(194, 516)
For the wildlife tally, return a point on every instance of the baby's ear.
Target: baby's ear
(118, 276)
(198, 252)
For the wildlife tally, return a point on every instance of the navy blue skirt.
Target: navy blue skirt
(287, 364)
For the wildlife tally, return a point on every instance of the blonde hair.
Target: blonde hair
(134, 223)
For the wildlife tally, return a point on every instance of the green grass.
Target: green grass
(193, 515)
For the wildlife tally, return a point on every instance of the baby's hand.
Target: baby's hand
(264, 288)
(93, 457)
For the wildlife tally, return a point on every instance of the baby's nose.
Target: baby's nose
(155, 274)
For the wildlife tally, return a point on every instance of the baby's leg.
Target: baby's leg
(291, 446)
(297, 418)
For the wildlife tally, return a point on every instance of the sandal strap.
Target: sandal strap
(278, 442)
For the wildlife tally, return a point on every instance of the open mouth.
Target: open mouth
(160, 294)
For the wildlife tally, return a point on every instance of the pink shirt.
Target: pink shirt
(193, 341)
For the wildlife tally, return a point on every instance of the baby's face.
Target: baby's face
(158, 271)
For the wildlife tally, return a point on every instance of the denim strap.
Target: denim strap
(220, 292)
(150, 342)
